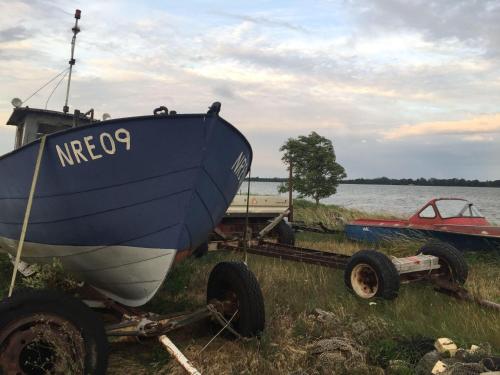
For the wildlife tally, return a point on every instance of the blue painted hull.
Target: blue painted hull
(462, 241)
(166, 187)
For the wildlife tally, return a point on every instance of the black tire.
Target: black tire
(201, 250)
(64, 327)
(234, 281)
(286, 235)
(371, 274)
(449, 257)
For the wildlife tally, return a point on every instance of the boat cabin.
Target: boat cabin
(32, 123)
(453, 211)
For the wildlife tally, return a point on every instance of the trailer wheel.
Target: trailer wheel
(286, 235)
(372, 274)
(234, 287)
(450, 259)
(201, 250)
(45, 331)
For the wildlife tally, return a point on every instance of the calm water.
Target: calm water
(400, 200)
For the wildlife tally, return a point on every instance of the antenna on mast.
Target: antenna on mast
(72, 61)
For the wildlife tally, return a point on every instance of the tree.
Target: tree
(315, 173)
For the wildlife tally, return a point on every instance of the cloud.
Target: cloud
(350, 70)
(474, 23)
(477, 125)
(264, 21)
(478, 138)
(14, 33)
(442, 158)
(224, 91)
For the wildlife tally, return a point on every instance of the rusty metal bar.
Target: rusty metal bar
(298, 254)
(315, 228)
(154, 326)
(457, 291)
(269, 227)
(89, 293)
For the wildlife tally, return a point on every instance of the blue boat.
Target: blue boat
(120, 201)
(451, 220)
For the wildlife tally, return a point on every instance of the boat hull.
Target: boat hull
(462, 241)
(117, 201)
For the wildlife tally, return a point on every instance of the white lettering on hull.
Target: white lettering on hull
(240, 166)
(64, 157)
(78, 152)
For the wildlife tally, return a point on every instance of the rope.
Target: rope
(27, 214)
(220, 318)
(45, 85)
(218, 333)
(54, 89)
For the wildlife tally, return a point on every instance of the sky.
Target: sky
(404, 89)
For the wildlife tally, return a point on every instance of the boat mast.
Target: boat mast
(72, 61)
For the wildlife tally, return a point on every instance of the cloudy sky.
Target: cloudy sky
(403, 88)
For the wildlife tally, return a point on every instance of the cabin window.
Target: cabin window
(427, 213)
(44, 129)
(19, 137)
(472, 211)
(456, 208)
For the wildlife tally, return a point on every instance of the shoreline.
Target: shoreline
(376, 182)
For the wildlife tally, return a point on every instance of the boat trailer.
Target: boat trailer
(444, 272)
(369, 273)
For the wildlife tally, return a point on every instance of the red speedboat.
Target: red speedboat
(452, 220)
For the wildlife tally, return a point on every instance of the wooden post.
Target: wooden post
(290, 189)
(179, 357)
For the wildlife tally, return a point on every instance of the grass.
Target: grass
(331, 215)
(399, 329)
(292, 291)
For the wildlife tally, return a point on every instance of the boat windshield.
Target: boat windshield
(449, 208)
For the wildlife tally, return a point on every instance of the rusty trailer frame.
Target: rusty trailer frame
(435, 275)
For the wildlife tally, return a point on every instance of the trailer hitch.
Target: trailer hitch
(459, 292)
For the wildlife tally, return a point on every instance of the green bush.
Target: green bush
(50, 276)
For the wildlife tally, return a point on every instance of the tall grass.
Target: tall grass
(330, 215)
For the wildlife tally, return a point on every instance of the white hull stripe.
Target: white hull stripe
(129, 275)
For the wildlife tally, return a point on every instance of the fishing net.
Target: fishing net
(338, 354)
(426, 364)
(465, 362)
(464, 369)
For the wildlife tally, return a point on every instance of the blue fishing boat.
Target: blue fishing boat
(118, 202)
